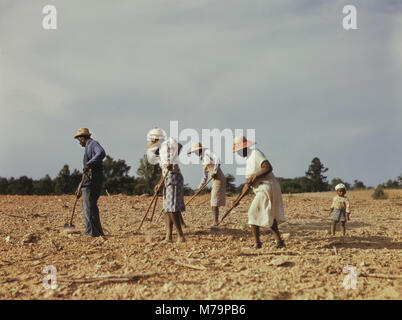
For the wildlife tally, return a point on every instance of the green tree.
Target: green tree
(379, 193)
(21, 186)
(188, 191)
(315, 175)
(63, 182)
(358, 185)
(336, 181)
(391, 184)
(44, 186)
(75, 179)
(3, 186)
(117, 179)
(295, 185)
(399, 178)
(149, 175)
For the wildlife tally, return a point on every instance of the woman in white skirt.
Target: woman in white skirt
(266, 210)
(211, 165)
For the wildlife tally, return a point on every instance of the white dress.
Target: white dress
(211, 165)
(267, 204)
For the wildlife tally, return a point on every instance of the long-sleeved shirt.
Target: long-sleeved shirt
(165, 154)
(93, 157)
(209, 159)
(169, 154)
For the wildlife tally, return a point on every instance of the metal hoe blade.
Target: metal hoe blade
(215, 230)
(69, 226)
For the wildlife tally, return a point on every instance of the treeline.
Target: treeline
(117, 180)
(315, 181)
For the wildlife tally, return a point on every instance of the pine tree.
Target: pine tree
(44, 186)
(63, 183)
(315, 175)
(357, 185)
(3, 186)
(149, 176)
(336, 181)
(116, 177)
(21, 186)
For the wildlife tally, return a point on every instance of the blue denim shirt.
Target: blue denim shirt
(93, 157)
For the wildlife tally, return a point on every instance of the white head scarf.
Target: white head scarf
(340, 186)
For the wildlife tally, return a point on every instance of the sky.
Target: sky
(285, 68)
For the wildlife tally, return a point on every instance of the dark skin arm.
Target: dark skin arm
(265, 169)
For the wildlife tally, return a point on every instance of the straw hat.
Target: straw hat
(195, 146)
(241, 142)
(82, 132)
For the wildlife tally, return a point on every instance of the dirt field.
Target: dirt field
(140, 266)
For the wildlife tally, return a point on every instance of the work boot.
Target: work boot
(280, 244)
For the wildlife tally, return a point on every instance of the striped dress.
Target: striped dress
(173, 189)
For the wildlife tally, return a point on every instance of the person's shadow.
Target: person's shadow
(361, 242)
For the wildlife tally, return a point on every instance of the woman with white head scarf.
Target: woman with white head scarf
(166, 153)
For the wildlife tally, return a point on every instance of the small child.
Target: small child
(340, 208)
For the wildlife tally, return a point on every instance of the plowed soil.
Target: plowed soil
(130, 265)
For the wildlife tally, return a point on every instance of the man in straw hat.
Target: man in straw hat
(91, 188)
(211, 166)
(267, 207)
(166, 152)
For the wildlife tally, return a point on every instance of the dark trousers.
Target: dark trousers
(90, 196)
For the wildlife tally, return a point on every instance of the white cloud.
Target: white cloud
(285, 68)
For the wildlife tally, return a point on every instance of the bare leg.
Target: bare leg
(256, 234)
(343, 227)
(275, 231)
(182, 220)
(175, 218)
(215, 211)
(333, 227)
(169, 227)
(277, 235)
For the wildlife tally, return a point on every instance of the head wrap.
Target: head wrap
(340, 186)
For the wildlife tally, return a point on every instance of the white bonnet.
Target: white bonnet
(340, 186)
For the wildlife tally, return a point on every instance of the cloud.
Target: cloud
(284, 68)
